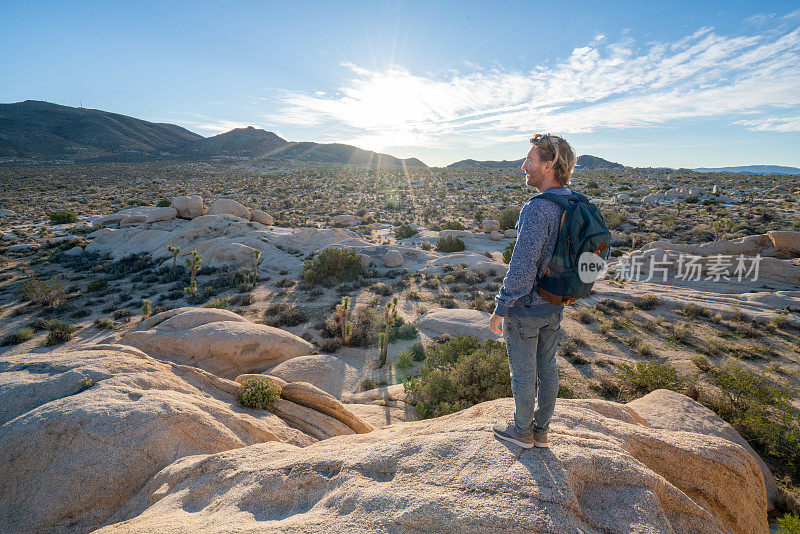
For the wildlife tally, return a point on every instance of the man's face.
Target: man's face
(534, 168)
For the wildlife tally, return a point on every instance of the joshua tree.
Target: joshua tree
(147, 308)
(193, 264)
(389, 317)
(721, 227)
(256, 259)
(174, 251)
(343, 313)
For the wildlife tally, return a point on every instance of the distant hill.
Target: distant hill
(338, 153)
(587, 162)
(242, 142)
(34, 131)
(584, 162)
(471, 163)
(44, 131)
(752, 169)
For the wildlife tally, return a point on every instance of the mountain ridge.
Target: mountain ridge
(35, 131)
(585, 161)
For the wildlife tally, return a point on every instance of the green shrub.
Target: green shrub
(400, 329)
(404, 231)
(44, 292)
(613, 219)
(508, 218)
(761, 411)
(63, 217)
(405, 359)
(452, 225)
(147, 308)
(164, 203)
(701, 361)
(565, 392)
(615, 253)
(284, 314)
(219, 303)
(692, 310)
(509, 251)
(458, 374)
(331, 266)
(425, 245)
(96, 285)
(59, 332)
(20, 336)
(367, 384)
(648, 301)
(645, 377)
(417, 351)
(789, 524)
(381, 289)
(257, 392)
(585, 315)
(450, 243)
(104, 323)
(779, 320)
(681, 332)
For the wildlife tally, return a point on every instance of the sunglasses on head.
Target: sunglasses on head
(545, 137)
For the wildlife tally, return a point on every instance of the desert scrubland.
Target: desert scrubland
(144, 305)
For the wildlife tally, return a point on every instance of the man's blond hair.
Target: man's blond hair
(563, 157)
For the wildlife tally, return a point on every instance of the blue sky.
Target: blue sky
(680, 84)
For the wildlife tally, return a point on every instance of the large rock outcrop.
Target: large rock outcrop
(218, 341)
(329, 373)
(71, 457)
(674, 411)
(606, 471)
(453, 322)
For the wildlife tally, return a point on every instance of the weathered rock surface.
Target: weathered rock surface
(393, 259)
(442, 321)
(606, 471)
(470, 260)
(511, 233)
(489, 225)
(380, 415)
(313, 397)
(786, 241)
(261, 217)
(161, 214)
(69, 458)
(395, 392)
(188, 207)
(674, 411)
(216, 342)
(329, 373)
(226, 206)
(346, 220)
(137, 211)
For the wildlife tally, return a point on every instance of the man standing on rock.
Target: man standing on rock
(529, 324)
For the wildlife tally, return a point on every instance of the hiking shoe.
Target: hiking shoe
(540, 440)
(509, 432)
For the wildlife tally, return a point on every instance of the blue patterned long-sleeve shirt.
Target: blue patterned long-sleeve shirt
(537, 232)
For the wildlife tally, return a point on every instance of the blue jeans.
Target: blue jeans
(531, 343)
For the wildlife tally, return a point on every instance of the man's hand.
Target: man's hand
(496, 324)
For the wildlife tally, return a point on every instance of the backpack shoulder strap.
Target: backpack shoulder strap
(562, 200)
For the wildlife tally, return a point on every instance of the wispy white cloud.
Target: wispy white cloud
(746, 79)
(772, 124)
